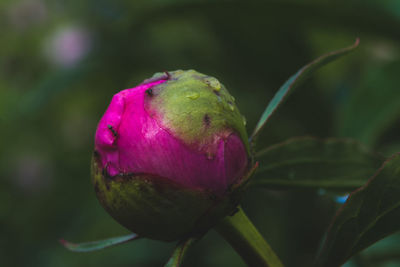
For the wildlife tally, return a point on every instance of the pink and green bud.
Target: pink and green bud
(168, 153)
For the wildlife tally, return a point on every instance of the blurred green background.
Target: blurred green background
(62, 61)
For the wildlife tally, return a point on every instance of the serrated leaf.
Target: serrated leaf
(294, 81)
(177, 256)
(370, 214)
(97, 245)
(307, 162)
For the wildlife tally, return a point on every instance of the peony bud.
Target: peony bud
(168, 153)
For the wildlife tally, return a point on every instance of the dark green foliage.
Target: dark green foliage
(49, 113)
(370, 214)
(306, 162)
(372, 107)
(294, 81)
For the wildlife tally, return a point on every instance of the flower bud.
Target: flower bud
(168, 153)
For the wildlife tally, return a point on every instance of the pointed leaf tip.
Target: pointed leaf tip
(295, 80)
(97, 245)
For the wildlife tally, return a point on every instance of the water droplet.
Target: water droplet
(231, 106)
(244, 120)
(192, 95)
(214, 83)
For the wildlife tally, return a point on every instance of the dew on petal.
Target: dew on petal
(214, 83)
(192, 95)
(231, 106)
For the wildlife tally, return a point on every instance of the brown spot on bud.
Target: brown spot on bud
(149, 92)
(112, 130)
(124, 177)
(104, 172)
(207, 120)
(107, 177)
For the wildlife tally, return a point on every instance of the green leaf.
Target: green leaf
(370, 214)
(372, 107)
(97, 245)
(294, 81)
(307, 162)
(176, 258)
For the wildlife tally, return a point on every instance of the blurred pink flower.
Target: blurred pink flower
(68, 46)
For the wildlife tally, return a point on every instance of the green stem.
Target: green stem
(239, 231)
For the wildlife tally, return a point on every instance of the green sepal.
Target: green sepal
(158, 208)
